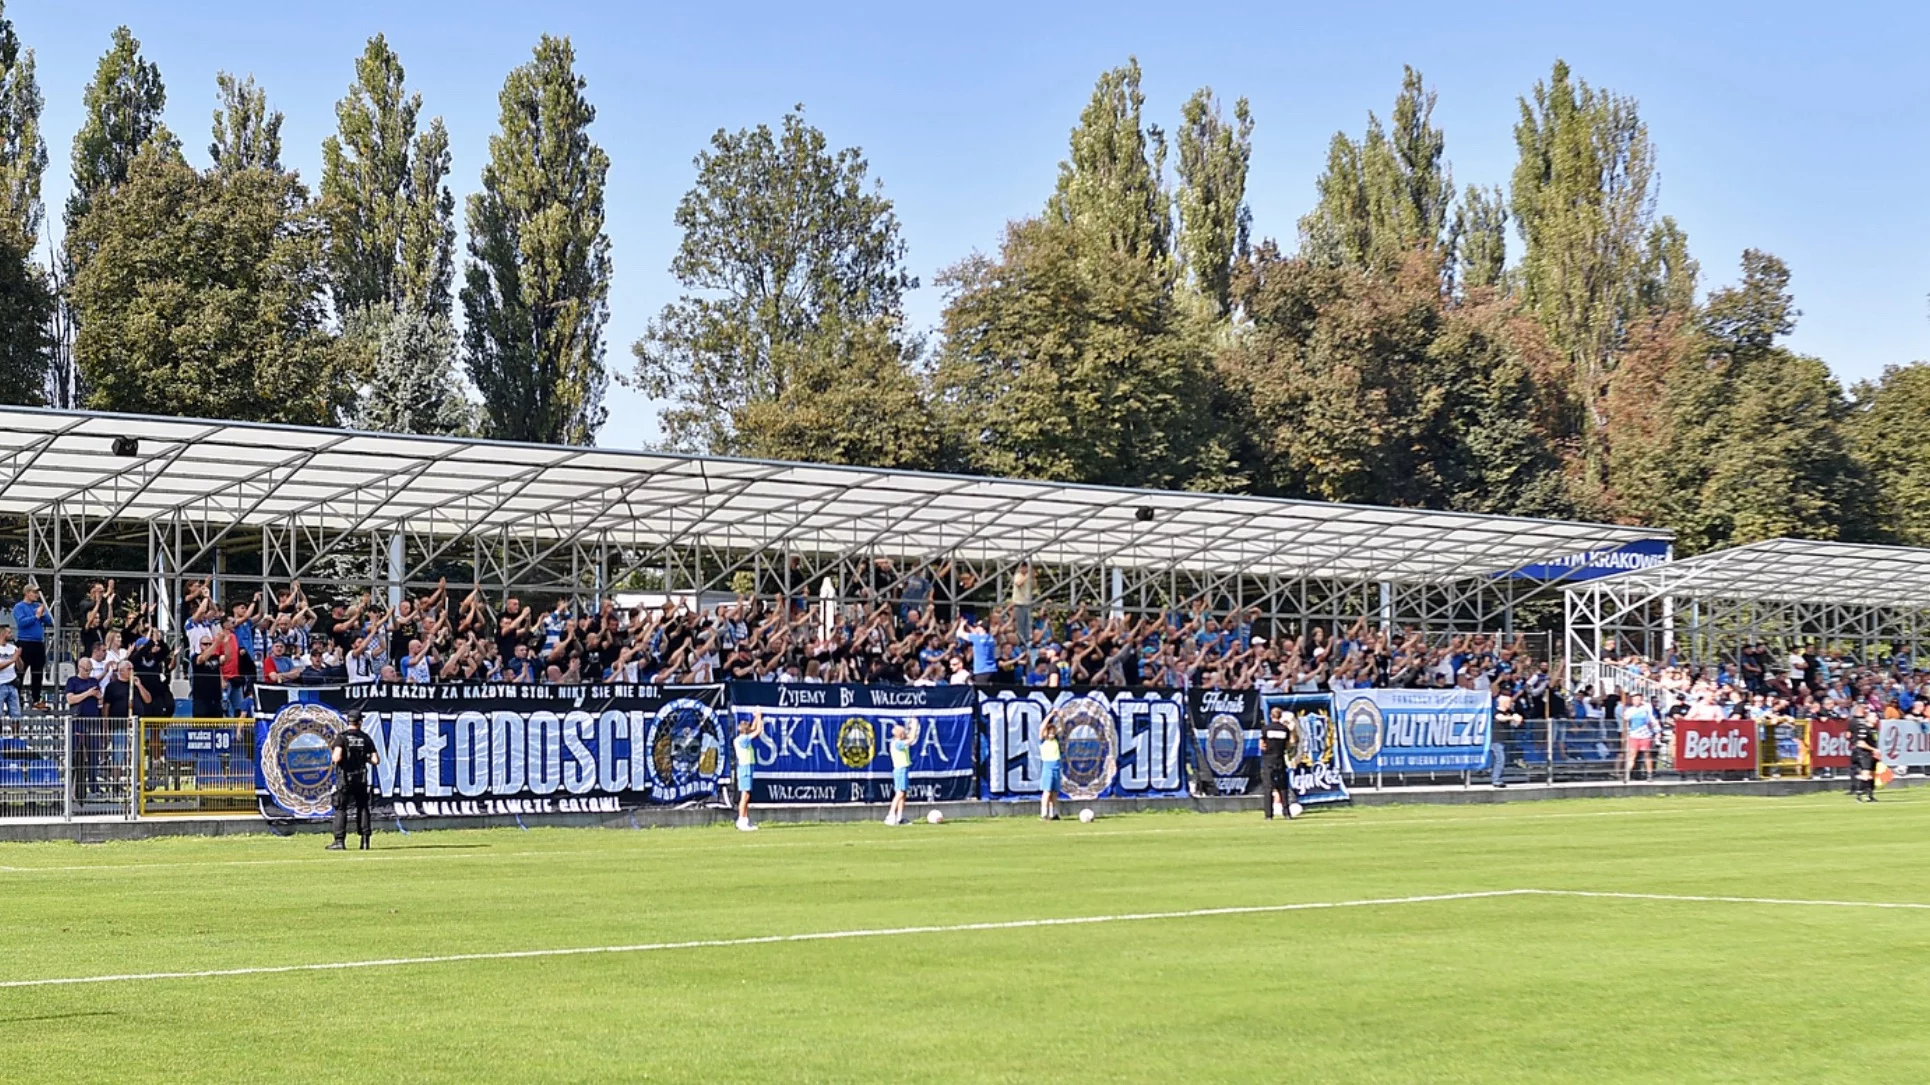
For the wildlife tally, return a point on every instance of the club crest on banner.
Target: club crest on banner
(857, 742)
(686, 742)
(1361, 729)
(1089, 745)
(296, 759)
(1225, 744)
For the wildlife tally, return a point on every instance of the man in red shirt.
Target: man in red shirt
(228, 652)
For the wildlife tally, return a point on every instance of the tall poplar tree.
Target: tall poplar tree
(247, 134)
(1584, 203)
(1387, 194)
(391, 217)
(536, 286)
(26, 298)
(123, 107)
(1214, 220)
(1068, 357)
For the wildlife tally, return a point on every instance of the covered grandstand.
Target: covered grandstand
(163, 500)
(1867, 601)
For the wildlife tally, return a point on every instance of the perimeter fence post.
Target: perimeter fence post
(67, 767)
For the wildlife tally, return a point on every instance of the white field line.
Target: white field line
(953, 928)
(761, 940)
(1687, 898)
(659, 846)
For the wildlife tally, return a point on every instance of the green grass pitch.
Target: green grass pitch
(1516, 987)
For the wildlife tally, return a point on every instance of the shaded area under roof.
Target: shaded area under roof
(264, 475)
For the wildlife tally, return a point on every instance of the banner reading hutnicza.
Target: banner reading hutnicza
(831, 743)
(1413, 730)
(1113, 742)
(480, 749)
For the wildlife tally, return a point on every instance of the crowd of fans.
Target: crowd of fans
(285, 638)
(124, 663)
(1802, 683)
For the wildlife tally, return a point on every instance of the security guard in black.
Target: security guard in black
(352, 753)
(1279, 744)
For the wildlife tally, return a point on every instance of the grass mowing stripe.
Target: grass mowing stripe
(952, 928)
(766, 939)
(1353, 819)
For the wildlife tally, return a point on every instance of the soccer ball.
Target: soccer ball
(1085, 815)
(1294, 809)
(934, 817)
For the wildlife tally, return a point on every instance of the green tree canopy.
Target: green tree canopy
(26, 297)
(788, 259)
(536, 286)
(1387, 194)
(1069, 356)
(1214, 219)
(123, 106)
(206, 299)
(247, 134)
(390, 214)
(1890, 433)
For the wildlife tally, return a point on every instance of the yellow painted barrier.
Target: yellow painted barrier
(196, 766)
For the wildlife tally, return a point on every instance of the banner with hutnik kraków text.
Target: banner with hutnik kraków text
(1227, 726)
(462, 750)
(1114, 743)
(831, 743)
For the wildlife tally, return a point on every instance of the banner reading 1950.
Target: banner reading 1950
(475, 750)
(1114, 743)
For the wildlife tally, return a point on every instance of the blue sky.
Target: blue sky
(1800, 129)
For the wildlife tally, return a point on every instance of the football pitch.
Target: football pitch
(1650, 938)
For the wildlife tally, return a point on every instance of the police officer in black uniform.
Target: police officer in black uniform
(1279, 746)
(352, 753)
(1863, 747)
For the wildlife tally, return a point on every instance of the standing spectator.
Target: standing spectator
(1508, 731)
(985, 663)
(1638, 723)
(9, 675)
(30, 629)
(123, 696)
(1022, 593)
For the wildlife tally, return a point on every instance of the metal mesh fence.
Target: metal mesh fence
(64, 767)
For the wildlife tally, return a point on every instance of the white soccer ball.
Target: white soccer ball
(1085, 815)
(935, 817)
(1294, 810)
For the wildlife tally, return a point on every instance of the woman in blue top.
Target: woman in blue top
(744, 754)
(902, 738)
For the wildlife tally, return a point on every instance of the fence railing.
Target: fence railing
(55, 767)
(67, 767)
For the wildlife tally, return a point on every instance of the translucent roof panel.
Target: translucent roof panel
(258, 475)
(1787, 571)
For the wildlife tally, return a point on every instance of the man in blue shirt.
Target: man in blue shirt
(30, 632)
(985, 664)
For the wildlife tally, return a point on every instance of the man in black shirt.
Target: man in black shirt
(352, 753)
(1863, 747)
(1279, 746)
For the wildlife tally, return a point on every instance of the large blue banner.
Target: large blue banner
(471, 749)
(1115, 743)
(831, 743)
(1413, 730)
(1594, 564)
